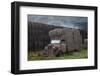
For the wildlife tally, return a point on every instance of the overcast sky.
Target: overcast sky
(66, 21)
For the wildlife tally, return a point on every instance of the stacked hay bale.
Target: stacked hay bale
(56, 34)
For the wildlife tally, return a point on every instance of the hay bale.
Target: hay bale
(56, 34)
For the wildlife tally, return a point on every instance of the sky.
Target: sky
(65, 21)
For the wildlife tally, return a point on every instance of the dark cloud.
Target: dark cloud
(66, 21)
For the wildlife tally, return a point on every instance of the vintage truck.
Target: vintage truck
(63, 40)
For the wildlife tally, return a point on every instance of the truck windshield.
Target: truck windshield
(55, 41)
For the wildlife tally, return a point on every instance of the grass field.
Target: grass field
(75, 55)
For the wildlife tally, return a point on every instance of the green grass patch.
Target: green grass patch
(74, 55)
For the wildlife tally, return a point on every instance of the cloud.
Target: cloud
(66, 21)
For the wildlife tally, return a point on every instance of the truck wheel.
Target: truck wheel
(59, 53)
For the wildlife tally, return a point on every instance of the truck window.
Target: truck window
(55, 41)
